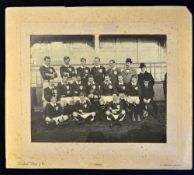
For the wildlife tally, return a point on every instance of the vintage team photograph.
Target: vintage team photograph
(98, 88)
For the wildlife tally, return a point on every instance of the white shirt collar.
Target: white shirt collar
(45, 65)
(89, 83)
(83, 101)
(53, 104)
(134, 83)
(51, 87)
(115, 102)
(121, 82)
(67, 65)
(97, 66)
(107, 82)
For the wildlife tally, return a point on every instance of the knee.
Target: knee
(75, 114)
(108, 112)
(61, 120)
(123, 112)
(93, 114)
(48, 120)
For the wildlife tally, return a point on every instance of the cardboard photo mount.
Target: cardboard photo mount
(174, 22)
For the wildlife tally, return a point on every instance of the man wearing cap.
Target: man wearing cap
(98, 71)
(146, 98)
(116, 112)
(67, 69)
(83, 71)
(113, 71)
(145, 75)
(128, 71)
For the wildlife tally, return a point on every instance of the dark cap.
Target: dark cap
(128, 60)
(142, 65)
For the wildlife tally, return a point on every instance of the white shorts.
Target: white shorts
(115, 116)
(84, 115)
(68, 100)
(133, 99)
(122, 96)
(107, 99)
(77, 98)
(57, 120)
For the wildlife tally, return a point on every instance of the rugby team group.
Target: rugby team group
(87, 95)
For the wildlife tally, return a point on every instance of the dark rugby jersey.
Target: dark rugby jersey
(98, 73)
(108, 88)
(67, 70)
(49, 92)
(68, 109)
(83, 72)
(65, 90)
(113, 74)
(77, 88)
(92, 88)
(85, 106)
(53, 110)
(116, 106)
(133, 90)
(121, 87)
(47, 69)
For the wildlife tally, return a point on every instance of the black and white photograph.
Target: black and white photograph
(98, 88)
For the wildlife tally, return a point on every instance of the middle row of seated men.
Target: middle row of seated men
(82, 100)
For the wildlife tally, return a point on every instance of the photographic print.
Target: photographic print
(98, 88)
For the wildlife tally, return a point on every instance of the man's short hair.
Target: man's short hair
(97, 58)
(83, 59)
(47, 58)
(66, 58)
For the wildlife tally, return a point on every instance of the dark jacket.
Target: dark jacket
(69, 71)
(108, 88)
(113, 74)
(118, 105)
(77, 89)
(85, 107)
(121, 88)
(83, 73)
(65, 90)
(49, 92)
(98, 74)
(147, 92)
(50, 70)
(92, 89)
(133, 90)
(146, 76)
(53, 111)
